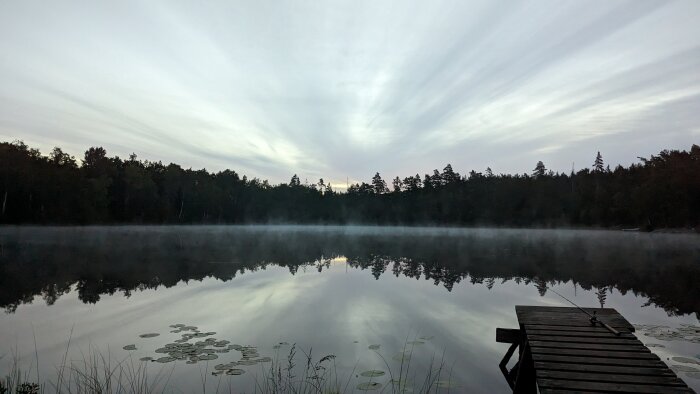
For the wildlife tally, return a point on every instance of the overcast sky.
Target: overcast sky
(338, 89)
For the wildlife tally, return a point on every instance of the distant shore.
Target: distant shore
(692, 230)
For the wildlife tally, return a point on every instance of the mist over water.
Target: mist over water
(334, 289)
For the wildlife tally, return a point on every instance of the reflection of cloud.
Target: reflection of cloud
(347, 89)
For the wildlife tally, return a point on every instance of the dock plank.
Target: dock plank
(580, 333)
(598, 360)
(569, 354)
(590, 346)
(611, 339)
(577, 385)
(659, 380)
(594, 353)
(593, 368)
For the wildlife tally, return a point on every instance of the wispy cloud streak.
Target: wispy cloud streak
(346, 88)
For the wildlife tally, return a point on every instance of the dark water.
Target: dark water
(329, 290)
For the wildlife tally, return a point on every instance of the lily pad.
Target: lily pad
(208, 357)
(446, 384)
(402, 357)
(373, 347)
(146, 358)
(129, 347)
(372, 373)
(264, 360)
(684, 368)
(685, 360)
(149, 335)
(165, 359)
(235, 371)
(367, 386)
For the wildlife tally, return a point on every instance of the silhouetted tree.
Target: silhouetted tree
(660, 191)
(379, 184)
(601, 294)
(539, 170)
(412, 183)
(449, 176)
(598, 163)
(398, 185)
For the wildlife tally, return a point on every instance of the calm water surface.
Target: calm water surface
(329, 290)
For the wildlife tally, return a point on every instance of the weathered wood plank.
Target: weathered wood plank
(598, 360)
(612, 369)
(582, 333)
(576, 321)
(594, 353)
(571, 322)
(546, 390)
(614, 387)
(591, 346)
(508, 335)
(528, 308)
(596, 328)
(611, 378)
(611, 340)
(567, 314)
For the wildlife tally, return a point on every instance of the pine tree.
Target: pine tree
(449, 176)
(539, 170)
(598, 165)
(398, 185)
(378, 184)
(294, 181)
(602, 295)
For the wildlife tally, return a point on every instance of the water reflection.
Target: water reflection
(50, 262)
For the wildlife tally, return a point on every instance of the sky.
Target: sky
(343, 89)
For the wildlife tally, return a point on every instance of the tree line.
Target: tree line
(660, 191)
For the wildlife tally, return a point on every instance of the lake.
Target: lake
(365, 304)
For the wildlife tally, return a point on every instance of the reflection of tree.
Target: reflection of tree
(49, 263)
(602, 295)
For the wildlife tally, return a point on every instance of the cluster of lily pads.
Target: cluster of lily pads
(400, 385)
(202, 350)
(685, 333)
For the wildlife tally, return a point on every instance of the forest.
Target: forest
(662, 191)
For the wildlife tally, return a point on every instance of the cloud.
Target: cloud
(345, 89)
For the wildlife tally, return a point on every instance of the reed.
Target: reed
(296, 372)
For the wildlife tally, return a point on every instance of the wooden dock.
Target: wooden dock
(561, 350)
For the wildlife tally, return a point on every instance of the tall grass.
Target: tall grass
(95, 372)
(322, 377)
(297, 372)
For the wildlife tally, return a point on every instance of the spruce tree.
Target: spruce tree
(598, 165)
(539, 170)
(378, 184)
